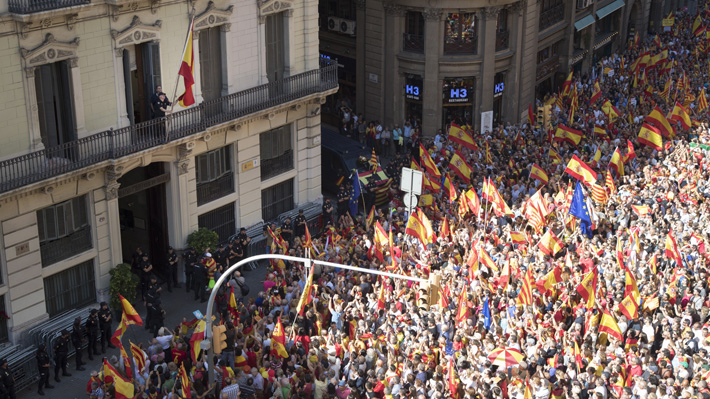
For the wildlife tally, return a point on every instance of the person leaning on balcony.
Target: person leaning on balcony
(160, 106)
(154, 98)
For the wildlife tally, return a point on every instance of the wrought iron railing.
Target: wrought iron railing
(215, 189)
(275, 166)
(30, 6)
(413, 43)
(66, 247)
(502, 39)
(551, 16)
(466, 46)
(117, 143)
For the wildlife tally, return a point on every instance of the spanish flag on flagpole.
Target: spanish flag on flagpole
(187, 68)
(124, 388)
(130, 313)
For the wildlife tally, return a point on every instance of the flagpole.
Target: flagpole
(177, 77)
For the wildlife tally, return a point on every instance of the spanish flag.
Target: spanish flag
(197, 336)
(531, 115)
(305, 294)
(380, 235)
(550, 244)
(187, 67)
(616, 163)
(671, 250)
(596, 93)
(608, 325)
(460, 136)
(658, 119)
(473, 202)
(459, 166)
(679, 114)
(610, 110)
(487, 261)
(599, 131)
(650, 136)
(415, 229)
(518, 238)
(554, 156)
(641, 210)
(537, 173)
(564, 133)
(462, 310)
(124, 387)
(120, 330)
(429, 231)
(426, 200)
(581, 171)
(370, 218)
(490, 193)
(453, 382)
(588, 287)
(278, 340)
(132, 316)
(547, 283)
(428, 163)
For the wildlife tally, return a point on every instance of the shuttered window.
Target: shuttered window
(70, 289)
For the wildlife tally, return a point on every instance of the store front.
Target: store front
(498, 90)
(413, 98)
(458, 100)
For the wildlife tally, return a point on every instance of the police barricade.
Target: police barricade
(22, 364)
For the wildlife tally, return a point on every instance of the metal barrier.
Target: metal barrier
(22, 364)
(48, 332)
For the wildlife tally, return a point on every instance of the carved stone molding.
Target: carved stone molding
(50, 51)
(212, 16)
(519, 7)
(360, 4)
(394, 9)
(432, 14)
(71, 21)
(490, 12)
(267, 7)
(113, 173)
(185, 149)
(137, 32)
(112, 191)
(183, 166)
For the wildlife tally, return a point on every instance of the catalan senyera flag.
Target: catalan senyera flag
(197, 336)
(698, 27)
(184, 381)
(132, 316)
(702, 101)
(428, 163)
(138, 357)
(461, 136)
(459, 166)
(671, 250)
(564, 133)
(550, 244)
(525, 297)
(596, 93)
(278, 340)
(124, 388)
(588, 287)
(616, 163)
(679, 114)
(609, 183)
(666, 93)
(537, 173)
(650, 136)
(581, 171)
(120, 330)
(658, 119)
(608, 325)
(187, 68)
(599, 194)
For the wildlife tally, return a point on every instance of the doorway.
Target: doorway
(141, 74)
(143, 213)
(55, 104)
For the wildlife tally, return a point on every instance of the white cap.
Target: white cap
(207, 254)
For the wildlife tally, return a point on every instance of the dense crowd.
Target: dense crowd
(520, 303)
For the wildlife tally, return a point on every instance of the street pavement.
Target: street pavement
(178, 305)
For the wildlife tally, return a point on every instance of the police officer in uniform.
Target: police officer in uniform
(152, 294)
(171, 274)
(105, 322)
(61, 350)
(146, 269)
(287, 230)
(300, 224)
(199, 280)
(370, 194)
(343, 200)
(189, 257)
(43, 368)
(157, 316)
(7, 379)
(243, 239)
(92, 331)
(77, 338)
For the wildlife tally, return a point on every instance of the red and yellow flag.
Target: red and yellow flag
(616, 163)
(461, 136)
(679, 114)
(564, 133)
(550, 244)
(187, 67)
(197, 336)
(658, 119)
(537, 173)
(306, 294)
(184, 381)
(581, 171)
(588, 287)
(278, 340)
(120, 330)
(525, 297)
(651, 136)
(138, 357)
(132, 316)
(671, 250)
(608, 325)
(428, 163)
(459, 166)
(124, 387)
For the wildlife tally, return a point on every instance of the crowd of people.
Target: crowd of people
(618, 309)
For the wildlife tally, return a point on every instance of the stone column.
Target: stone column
(360, 77)
(394, 14)
(120, 88)
(431, 91)
(489, 16)
(33, 116)
(288, 40)
(111, 176)
(226, 45)
(178, 201)
(78, 96)
(513, 94)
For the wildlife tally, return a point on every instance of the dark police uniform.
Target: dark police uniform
(92, 331)
(243, 240)
(7, 379)
(172, 267)
(199, 280)
(43, 368)
(61, 350)
(343, 200)
(77, 338)
(190, 258)
(158, 317)
(151, 296)
(105, 324)
(299, 225)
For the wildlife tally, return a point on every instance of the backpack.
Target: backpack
(244, 288)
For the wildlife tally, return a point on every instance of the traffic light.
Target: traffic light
(219, 338)
(540, 117)
(547, 116)
(434, 286)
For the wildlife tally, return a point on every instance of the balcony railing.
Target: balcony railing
(413, 43)
(31, 6)
(551, 16)
(467, 46)
(215, 189)
(65, 247)
(502, 39)
(275, 166)
(114, 144)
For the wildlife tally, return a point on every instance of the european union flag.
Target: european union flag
(578, 208)
(487, 314)
(354, 194)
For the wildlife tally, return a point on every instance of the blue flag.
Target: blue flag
(354, 194)
(487, 314)
(579, 209)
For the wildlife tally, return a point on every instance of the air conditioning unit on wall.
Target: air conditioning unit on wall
(334, 23)
(347, 26)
